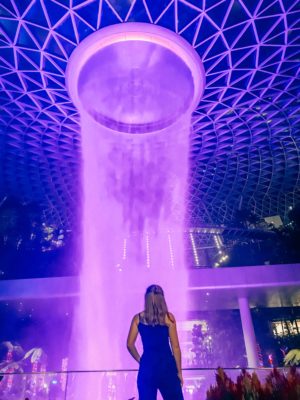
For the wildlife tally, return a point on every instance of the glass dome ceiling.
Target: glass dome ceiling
(245, 141)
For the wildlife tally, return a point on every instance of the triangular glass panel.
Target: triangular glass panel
(7, 9)
(237, 55)
(90, 13)
(68, 46)
(263, 25)
(34, 55)
(53, 48)
(291, 5)
(217, 12)
(27, 100)
(8, 55)
(24, 39)
(206, 31)
(31, 86)
(236, 74)
(157, 7)
(4, 98)
(54, 83)
(39, 34)
(269, 7)
(272, 68)
(24, 64)
(186, 15)
(168, 18)
(217, 49)
(36, 15)
(190, 32)
(83, 29)
(247, 38)
(9, 26)
(42, 94)
(120, 8)
(236, 15)
(66, 29)
(242, 83)
(246, 98)
(138, 13)
(292, 53)
(108, 16)
(202, 47)
(277, 33)
(22, 5)
(218, 66)
(55, 11)
(248, 62)
(212, 82)
(14, 79)
(269, 55)
(50, 66)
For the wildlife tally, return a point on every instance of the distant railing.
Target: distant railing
(121, 384)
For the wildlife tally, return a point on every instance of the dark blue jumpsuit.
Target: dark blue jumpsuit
(157, 366)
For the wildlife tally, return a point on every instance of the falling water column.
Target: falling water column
(135, 86)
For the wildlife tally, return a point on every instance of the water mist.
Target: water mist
(135, 86)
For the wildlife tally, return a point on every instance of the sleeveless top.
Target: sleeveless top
(155, 339)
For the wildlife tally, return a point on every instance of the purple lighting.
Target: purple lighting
(135, 86)
(246, 122)
(126, 77)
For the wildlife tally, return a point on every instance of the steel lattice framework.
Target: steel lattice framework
(245, 147)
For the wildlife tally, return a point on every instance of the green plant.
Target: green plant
(292, 357)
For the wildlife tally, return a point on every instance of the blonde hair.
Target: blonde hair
(156, 308)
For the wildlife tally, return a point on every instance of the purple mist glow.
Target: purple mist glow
(135, 86)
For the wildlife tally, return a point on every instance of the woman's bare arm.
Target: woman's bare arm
(171, 322)
(131, 339)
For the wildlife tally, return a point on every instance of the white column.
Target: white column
(248, 332)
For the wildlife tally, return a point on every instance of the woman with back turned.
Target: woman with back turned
(160, 368)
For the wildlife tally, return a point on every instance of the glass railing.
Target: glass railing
(121, 384)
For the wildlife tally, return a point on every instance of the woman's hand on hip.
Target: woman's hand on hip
(180, 378)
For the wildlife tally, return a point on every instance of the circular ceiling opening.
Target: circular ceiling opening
(135, 78)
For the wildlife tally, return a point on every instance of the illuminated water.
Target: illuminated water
(135, 98)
